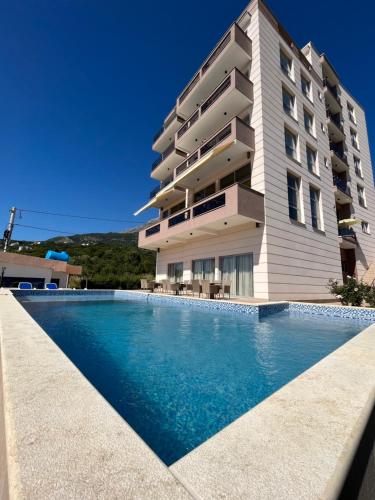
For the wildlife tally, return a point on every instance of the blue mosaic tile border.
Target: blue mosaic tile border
(55, 295)
(263, 310)
(184, 301)
(337, 311)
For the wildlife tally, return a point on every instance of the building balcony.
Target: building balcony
(228, 100)
(332, 98)
(341, 191)
(339, 159)
(224, 210)
(233, 50)
(165, 136)
(229, 146)
(166, 162)
(347, 238)
(335, 128)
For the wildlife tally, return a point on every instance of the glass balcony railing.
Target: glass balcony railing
(341, 185)
(152, 230)
(347, 232)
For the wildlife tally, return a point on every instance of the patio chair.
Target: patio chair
(210, 289)
(188, 287)
(196, 287)
(165, 285)
(51, 286)
(25, 285)
(225, 288)
(147, 285)
(174, 287)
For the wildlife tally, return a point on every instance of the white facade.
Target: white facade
(292, 259)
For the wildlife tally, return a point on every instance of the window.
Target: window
(204, 269)
(308, 119)
(326, 162)
(320, 95)
(322, 127)
(361, 196)
(311, 160)
(306, 87)
(289, 103)
(204, 193)
(294, 197)
(291, 144)
(175, 271)
(357, 166)
(354, 138)
(315, 207)
(365, 227)
(351, 113)
(241, 175)
(176, 208)
(286, 64)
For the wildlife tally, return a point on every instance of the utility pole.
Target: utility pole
(9, 229)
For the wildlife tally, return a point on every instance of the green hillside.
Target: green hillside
(109, 260)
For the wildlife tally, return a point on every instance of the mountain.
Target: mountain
(120, 238)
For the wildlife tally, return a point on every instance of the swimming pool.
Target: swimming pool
(178, 375)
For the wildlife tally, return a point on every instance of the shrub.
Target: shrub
(352, 292)
(370, 296)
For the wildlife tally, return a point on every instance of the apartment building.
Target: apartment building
(264, 172)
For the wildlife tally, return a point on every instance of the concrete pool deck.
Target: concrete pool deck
(63, 440)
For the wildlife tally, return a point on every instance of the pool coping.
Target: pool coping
(273, 450)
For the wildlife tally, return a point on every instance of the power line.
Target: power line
(46, 229)
(80, 216)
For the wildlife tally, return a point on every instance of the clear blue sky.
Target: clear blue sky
(84, 85)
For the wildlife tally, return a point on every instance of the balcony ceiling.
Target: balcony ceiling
(167, 137)
(167, 166)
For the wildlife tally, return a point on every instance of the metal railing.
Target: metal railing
(223, 134)
(187, 163)
(189, 88)
(336, 121)
(332, 89)
(215, 54)
(339, 153)
(218, 92)
(162, 185)
(189, 122)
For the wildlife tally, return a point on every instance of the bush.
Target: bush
(370, 296)
(352, 292)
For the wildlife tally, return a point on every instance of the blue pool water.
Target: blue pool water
(178, 375)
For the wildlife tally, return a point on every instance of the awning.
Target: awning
(349, 222)
(174, 184)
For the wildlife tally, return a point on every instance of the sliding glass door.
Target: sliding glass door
(238, 270)
(204, 269)
(175, 272)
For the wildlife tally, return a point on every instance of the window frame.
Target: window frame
(287, 130)
(308, 94)
(361, 196)
(298, 201)
(318, 225)
(308, 113)
(286, 91)
(289, 72)
(315, 169)
(365, 224)
(173, 265)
